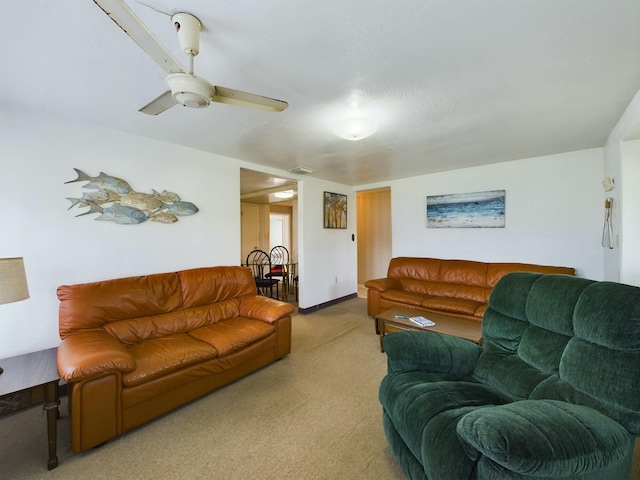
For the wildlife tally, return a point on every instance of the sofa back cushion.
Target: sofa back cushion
(150, 306)
(205, 286)
(413, 268)
(134, 330)
(495, 271)
(441, 278)
(465, 279)
(565, 338)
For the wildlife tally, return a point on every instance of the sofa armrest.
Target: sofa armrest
(91, 353)
(264, 308)
(544, 438)
(382, 284)
(413, 350)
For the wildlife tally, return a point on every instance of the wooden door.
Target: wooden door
(249, 229)
(374, 233)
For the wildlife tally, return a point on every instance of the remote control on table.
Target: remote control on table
(423, 322)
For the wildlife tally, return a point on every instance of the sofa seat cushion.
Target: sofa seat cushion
(232, 335)
(453, 305)
(403, 296)
(425, 408)
(160, 356)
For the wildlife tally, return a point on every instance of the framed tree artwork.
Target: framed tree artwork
(335, 210)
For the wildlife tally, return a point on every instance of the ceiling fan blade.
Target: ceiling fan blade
(251, 100)
(128, 21)
(160, 104)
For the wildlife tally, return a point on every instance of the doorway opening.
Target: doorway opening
(267, 219)
(280, 230)
(374, 235)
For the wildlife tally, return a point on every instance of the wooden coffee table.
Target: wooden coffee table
(446, 324)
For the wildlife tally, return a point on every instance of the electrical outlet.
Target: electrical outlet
(336, 279)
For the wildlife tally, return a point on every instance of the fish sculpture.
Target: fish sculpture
(100, 197)
(117, 202)
(121, 214)
(102, 182)
(163, 217)
(182, 208)
(168, 197)
(143, 201)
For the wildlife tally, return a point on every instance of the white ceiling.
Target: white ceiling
(259, 187)
(451, 83)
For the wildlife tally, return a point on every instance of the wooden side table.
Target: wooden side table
(29, 380)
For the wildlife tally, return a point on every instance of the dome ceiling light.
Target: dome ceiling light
(284, 194)
(355, 128)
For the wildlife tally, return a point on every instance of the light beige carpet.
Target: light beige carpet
(313, 415)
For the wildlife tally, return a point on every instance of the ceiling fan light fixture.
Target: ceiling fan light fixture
(355, 128)
(189, 90)
(191, 100)
(184, 87)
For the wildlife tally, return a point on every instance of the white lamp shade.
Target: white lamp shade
(355, 128)
(13, 280)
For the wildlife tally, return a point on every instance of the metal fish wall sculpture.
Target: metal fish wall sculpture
(117, 202)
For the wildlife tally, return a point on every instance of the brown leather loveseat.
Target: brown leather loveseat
(458, 288)
(135, 348)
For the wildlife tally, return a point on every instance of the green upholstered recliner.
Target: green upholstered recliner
(553, 393)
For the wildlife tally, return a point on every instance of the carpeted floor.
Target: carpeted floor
(313, 415)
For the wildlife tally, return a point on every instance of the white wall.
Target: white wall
(37, 156)
(554, 216)
(613, 167)
(328, 257)
(630, 213)
(36, 159)
(553, 213)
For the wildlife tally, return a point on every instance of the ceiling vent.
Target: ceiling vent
(302, 170)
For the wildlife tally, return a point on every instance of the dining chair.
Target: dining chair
(279, 258)
(260, 264)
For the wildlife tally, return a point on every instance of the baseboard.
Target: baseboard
(326, 304)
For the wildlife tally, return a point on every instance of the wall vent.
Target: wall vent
(302, 170)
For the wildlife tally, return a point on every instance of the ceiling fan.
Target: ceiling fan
(184, 87)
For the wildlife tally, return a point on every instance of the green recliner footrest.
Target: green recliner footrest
(544, 438)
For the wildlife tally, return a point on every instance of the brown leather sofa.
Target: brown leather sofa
(458, 288)
(135, 348)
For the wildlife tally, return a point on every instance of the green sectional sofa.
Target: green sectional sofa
(553, 393)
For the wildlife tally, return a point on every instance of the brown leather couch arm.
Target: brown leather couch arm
(382, 284)
(91, 353)
(263, 308)
(374, 287)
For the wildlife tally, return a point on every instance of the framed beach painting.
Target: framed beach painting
(335, 210)
(467, 210)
